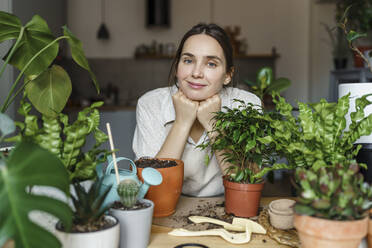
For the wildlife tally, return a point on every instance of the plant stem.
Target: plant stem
(7, 101)
(15, 95)
(12, 51)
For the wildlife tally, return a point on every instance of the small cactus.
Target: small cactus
(128, 190)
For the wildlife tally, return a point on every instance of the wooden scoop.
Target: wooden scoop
(238, 224)
(234, 238)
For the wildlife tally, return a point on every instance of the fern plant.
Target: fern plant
(317, 136)
(66, 140)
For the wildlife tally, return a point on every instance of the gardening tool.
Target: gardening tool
(238, 224)
(150, 177)
(234, 238)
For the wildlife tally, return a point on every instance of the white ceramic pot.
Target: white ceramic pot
(106, 238)
(281, 213)
(135, 226)
(356, 90)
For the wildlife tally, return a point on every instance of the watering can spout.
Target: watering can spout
(150, 177)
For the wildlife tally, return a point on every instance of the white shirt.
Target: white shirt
(155, 115)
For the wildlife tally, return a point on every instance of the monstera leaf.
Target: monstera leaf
(78, 54)
(29, 165)
(33, 37)
(50, 91)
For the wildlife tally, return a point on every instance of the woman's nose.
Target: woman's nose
(197, 71)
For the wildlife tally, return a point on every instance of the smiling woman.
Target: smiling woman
(172, 121)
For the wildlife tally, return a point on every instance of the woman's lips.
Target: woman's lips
(196, 85)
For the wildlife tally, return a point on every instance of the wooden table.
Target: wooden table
(160, 238)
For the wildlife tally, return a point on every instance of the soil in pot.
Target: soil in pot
(139, 205)
(154, 163)
(101, 224)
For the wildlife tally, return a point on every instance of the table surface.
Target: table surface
(160, 238)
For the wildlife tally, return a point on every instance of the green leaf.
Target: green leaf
(6, 125)
(303, 209)
(10, 25)
(352, 35)
(36, 36)
(278, 85)
(50, 91)
(30, 165)
(78, 55)
(265, 77)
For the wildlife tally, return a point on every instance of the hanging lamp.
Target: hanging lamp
(103, 33)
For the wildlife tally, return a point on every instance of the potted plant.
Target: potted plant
(340, 48)
(25, 166)
(91, 227)
(332, 207)
(266, 84)
(165, 196)
(243, 136)
(66, 140)
(316, 136)
(135, 216)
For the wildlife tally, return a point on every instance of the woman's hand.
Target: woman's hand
(185, 109)
(206, 111)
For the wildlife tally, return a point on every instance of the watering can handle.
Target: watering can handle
(111, 165)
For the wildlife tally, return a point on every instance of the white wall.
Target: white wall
(265, 23)
(321, 51)
(7, 78)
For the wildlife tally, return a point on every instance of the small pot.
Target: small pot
(242, 199)
(316, 232)
(106, 238)
(281, 213)
(135, 226)
(165, 196)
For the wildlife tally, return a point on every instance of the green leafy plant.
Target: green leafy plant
(47, 86)
(89, 211)
(26, 166)
(340, 48)
(128, 190)
(244, 136)
(316, 137)
(266, 84)
(67, 140)
(336, 193)
(352, 35)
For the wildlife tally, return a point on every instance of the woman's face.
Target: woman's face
(201, 70)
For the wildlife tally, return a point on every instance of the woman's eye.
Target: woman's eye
(187, 61)
(212, 64)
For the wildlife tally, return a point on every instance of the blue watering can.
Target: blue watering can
(149, 175)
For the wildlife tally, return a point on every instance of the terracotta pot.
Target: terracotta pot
(316, 232)
(358, 61)
(165, 196)
(242, 199)
(369, 236)
(369, 233)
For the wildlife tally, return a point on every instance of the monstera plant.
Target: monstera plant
(47, 86)
(28, 165)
